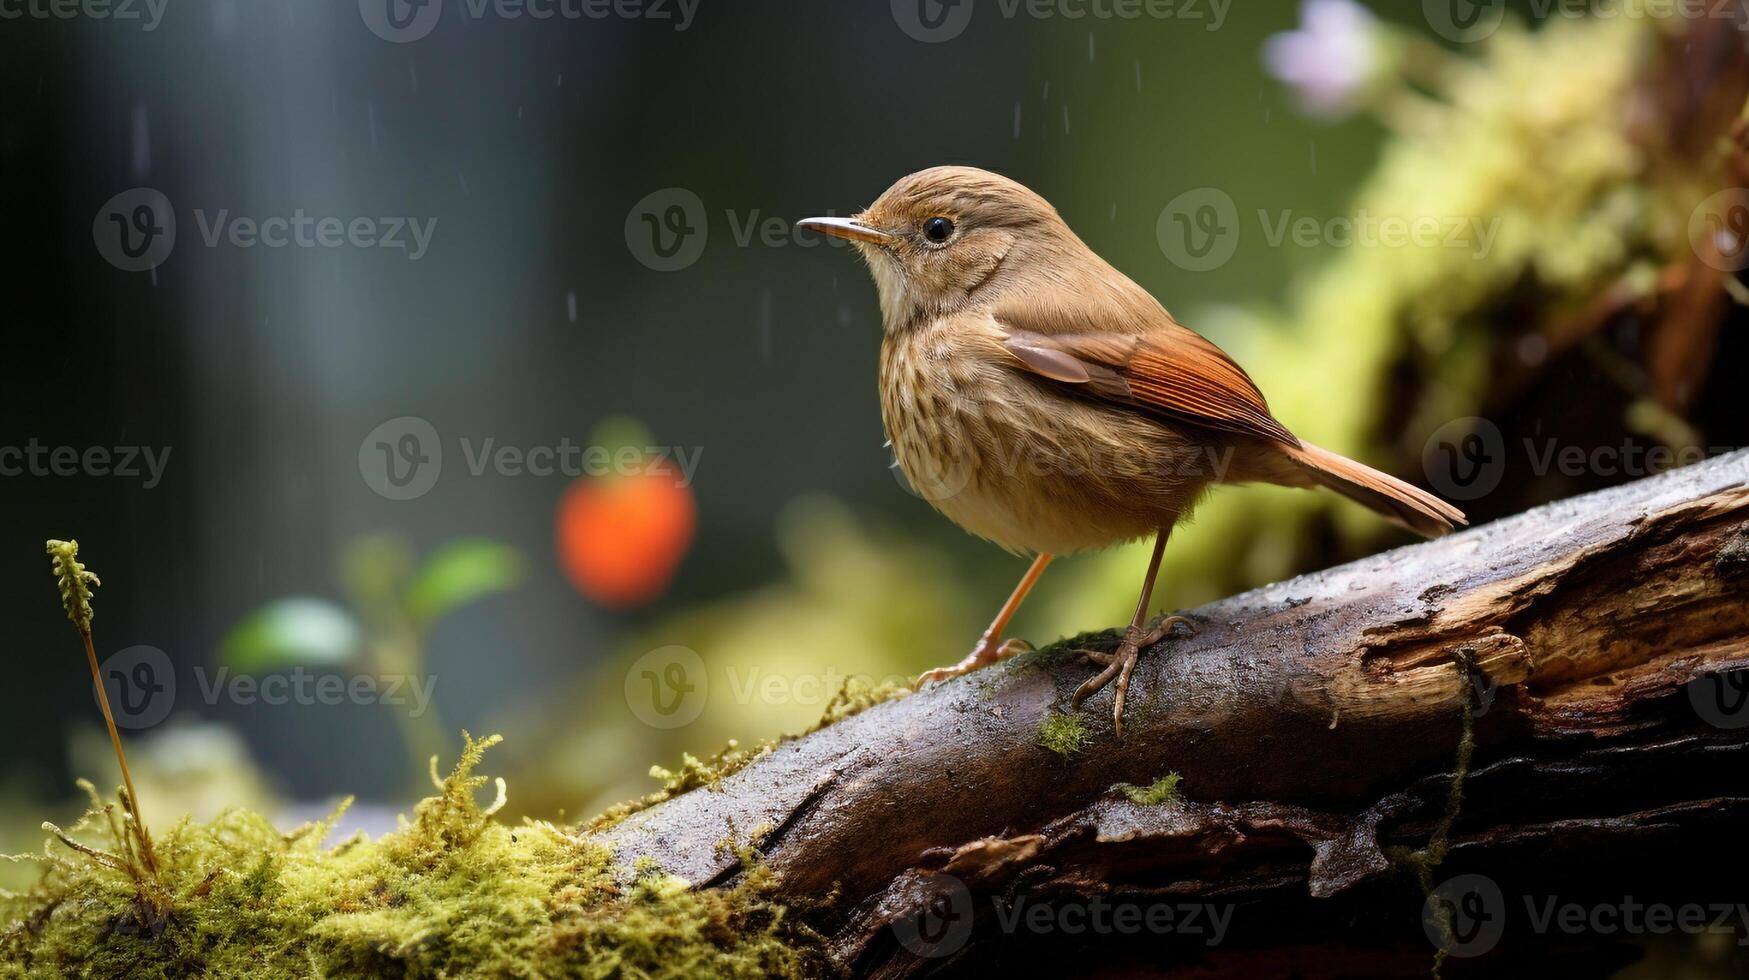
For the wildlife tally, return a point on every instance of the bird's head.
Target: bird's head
(940, 238)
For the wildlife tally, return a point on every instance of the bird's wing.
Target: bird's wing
(1162, 368)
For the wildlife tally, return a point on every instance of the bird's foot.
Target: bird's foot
(1120, 663)
(987, 651)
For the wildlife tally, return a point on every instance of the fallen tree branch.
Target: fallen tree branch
(1314, 723)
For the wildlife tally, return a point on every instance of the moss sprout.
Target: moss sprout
(133, 853)
(1161, 791)
(1063, 734)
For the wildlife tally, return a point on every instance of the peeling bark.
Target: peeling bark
(1315, 724)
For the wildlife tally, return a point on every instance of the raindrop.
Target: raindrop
(370, 112)
(412, 76)
(1314, 148)
(571, 306)
(559, 81)
(1090, 46)
(1047, 91)
(843, 315)
(1533, 349)
(1016, 120)
(1065, 120)
(464, 179)
(224, 18)
(765, 331)
(142, 142)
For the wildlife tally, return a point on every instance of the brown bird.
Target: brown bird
(1043, 401)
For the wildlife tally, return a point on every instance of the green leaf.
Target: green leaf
(293, 631)
(459, 573)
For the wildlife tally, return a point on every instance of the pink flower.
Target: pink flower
(1330, 60)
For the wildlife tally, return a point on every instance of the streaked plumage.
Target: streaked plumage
(1040, 399)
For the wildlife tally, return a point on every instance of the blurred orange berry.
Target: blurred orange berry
(621, 537)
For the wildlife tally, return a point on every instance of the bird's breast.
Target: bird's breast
(1015, 461)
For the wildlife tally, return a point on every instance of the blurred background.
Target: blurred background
(483, 381)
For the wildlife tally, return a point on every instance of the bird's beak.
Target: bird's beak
(849, 228)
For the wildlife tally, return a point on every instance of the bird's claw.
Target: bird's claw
(987, 651)
(1120, 663)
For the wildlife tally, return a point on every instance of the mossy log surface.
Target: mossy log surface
(1315, 725)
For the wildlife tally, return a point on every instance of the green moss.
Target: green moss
(853, 697)
(451, 893)
(1063, 734)
(857, 695)
(1160, 791)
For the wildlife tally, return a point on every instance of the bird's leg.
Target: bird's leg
(1122, 662)
(991, 647)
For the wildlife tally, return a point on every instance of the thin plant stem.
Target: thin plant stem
(127, 778)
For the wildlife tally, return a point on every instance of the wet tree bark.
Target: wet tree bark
(1592, 651)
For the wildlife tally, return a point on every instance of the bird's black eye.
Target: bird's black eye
(937, 229)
